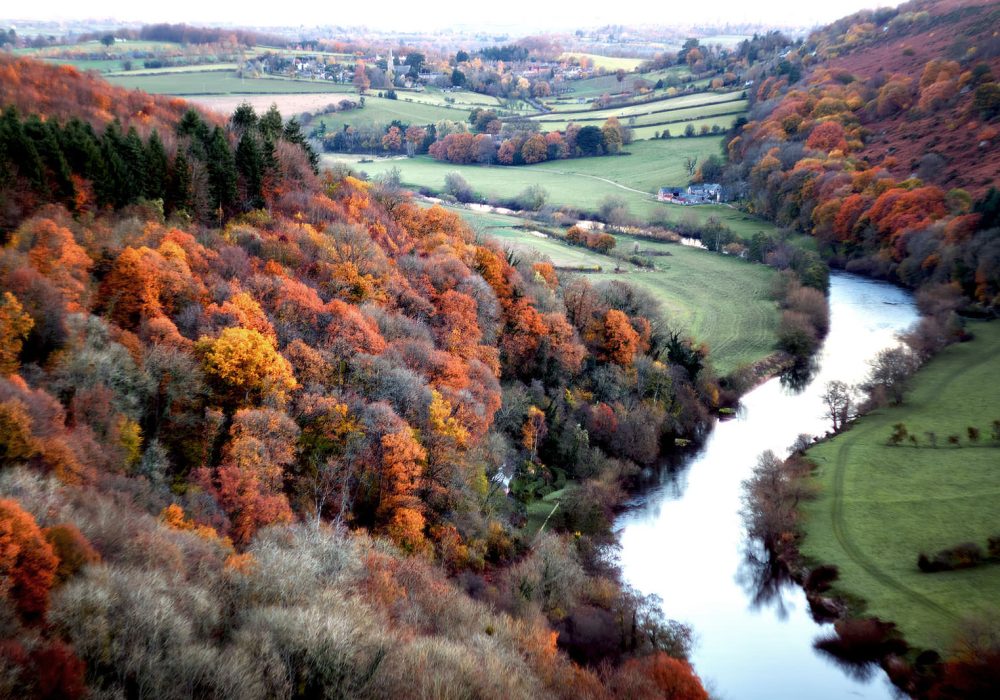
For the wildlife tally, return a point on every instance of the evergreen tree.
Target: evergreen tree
(221, 170)
(43, 135)
(115, 188)
(192, 126)
(271, 124)
(293, 134)
(21, 155)
(250, 165)
(156, 167)
(244, 119)
(134, 154)
(179, 188)
(82, 149)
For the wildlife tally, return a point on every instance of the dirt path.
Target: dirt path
(604, 179)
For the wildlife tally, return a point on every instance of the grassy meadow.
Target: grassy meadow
(583, 183)
(381, 111)
(881, 506)
(606, 62)
(204, 82)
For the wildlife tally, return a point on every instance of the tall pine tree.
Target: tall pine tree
(250, 165)
(179, 188)
(221, 171)
(156, 167)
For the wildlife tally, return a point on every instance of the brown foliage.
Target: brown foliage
(27, 563)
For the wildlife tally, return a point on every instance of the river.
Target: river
(683, 538)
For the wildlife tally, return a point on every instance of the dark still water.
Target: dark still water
(684, 539)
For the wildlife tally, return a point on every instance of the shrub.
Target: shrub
(962, 556)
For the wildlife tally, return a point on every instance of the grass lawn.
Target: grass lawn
(880, 506)
(607, 62)
(201, 82)
(595, 87)
(584, 182)
(378, 110)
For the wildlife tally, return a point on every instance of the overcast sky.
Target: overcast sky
(437, 14)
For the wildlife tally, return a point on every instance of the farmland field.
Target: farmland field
(583, 182)
(200, 82)
(557, 123)
(595, 87)
(659, 105)
(880, 506)
(606, 62)
(378, 110)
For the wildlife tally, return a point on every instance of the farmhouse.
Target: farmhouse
(694, 194)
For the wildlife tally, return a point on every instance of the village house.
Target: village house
(707, 193)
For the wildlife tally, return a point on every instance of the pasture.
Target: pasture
(381, 111)
(880, 506)
(201, 82)
(599, 85)
(606, 62)
(583, 183)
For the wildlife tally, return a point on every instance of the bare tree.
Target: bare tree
(890, 373)
(839, 401)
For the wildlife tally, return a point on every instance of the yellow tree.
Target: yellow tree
(533, 431)
(245, 367)
(15, 325)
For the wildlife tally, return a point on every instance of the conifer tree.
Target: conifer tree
(156, 167)
(221, 170)
(271, 124)
(179, 188)
(293, 134)
(250, 165)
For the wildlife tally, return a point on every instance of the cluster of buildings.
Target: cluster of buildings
(708, 193)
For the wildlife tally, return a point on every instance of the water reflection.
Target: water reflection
(764, 578)
(798, 377)
(684, 541)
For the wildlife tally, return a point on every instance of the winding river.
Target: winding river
(683, 539)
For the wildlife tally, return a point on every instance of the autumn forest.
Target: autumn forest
(271, 428)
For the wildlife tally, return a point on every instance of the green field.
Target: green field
(880, 506)
(606, 62)
(204, 68)
(660, 106)
(595, 87)
(720, 300)
(378, 110)
(201, 82)
(672, 117)
(583, 182)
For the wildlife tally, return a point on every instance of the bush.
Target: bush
(458, 187)
(962, 556)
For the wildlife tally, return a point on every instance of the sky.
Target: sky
(439, 14)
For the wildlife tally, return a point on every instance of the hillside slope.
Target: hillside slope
(878, 135)
(258, 426)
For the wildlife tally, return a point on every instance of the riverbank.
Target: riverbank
(879, 505)
(683, 538)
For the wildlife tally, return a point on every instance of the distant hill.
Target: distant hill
(944, 117)
(878, 135)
